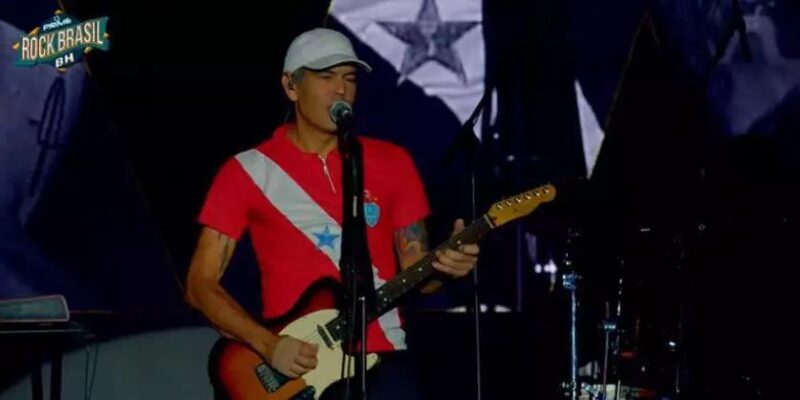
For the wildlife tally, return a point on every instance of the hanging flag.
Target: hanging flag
(433, 44)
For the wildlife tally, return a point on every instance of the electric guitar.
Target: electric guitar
(242, 374)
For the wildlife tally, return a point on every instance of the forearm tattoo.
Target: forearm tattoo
(412, 240)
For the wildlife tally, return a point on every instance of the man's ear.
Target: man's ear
(288, 87)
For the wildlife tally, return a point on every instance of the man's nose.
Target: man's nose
(339, 87)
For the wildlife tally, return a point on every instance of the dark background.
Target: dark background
(698, 222)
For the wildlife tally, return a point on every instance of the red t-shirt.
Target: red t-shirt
(291, 203)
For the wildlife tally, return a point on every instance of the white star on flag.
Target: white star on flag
(434, 44)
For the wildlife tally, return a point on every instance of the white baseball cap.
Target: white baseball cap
(319, 49)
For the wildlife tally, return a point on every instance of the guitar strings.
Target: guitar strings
(316, 337)
(313, 336)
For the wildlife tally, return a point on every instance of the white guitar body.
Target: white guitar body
(329, 358)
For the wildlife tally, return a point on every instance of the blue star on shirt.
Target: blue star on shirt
(326, 238)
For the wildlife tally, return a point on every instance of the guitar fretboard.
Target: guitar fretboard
(390, 293)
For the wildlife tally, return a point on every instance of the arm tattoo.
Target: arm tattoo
(412, 240)
(224, 256)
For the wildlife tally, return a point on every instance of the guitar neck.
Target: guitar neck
(499, 213)
(414, 276)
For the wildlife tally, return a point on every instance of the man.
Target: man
(287, 193)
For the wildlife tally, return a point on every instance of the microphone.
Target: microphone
(342, 115)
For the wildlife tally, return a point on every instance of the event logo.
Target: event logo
(61, 41)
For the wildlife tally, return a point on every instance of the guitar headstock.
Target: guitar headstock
(520, 205)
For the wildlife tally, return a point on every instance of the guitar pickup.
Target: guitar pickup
(324, 335)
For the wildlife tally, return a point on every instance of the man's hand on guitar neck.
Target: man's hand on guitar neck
(457, 262)
(411, 244)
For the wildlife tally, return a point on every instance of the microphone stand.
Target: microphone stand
(355, 263)
(467, 140)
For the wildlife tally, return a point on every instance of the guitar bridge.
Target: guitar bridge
(268, 378)
(273, 380)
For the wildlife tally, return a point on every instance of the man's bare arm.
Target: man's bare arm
(204, 292)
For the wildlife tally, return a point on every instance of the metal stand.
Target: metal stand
(355, 263)
(570, 283)
(611, 333)
(467, 142)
